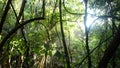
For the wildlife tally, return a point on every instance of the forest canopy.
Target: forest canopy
(59, 33)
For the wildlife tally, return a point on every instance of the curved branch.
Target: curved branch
(15, 29)
(69, 11)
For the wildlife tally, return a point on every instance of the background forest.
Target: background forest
(59, 33)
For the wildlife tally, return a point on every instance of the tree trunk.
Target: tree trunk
(63, 36)
(109, 52)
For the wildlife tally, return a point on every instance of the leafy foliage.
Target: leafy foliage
(38, 43)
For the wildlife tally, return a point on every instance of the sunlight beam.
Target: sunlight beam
(90, 17)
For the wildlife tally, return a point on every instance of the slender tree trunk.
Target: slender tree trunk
(63, 36)
(5, 15)
(86, 33)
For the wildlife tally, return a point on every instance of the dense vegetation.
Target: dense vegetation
(59, 33)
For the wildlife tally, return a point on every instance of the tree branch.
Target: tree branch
(69, 11)
(16, 28)
(78, 65)
(5, 15)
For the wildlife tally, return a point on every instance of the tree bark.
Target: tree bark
(5, 15)
(109, 52)
(63, 36)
